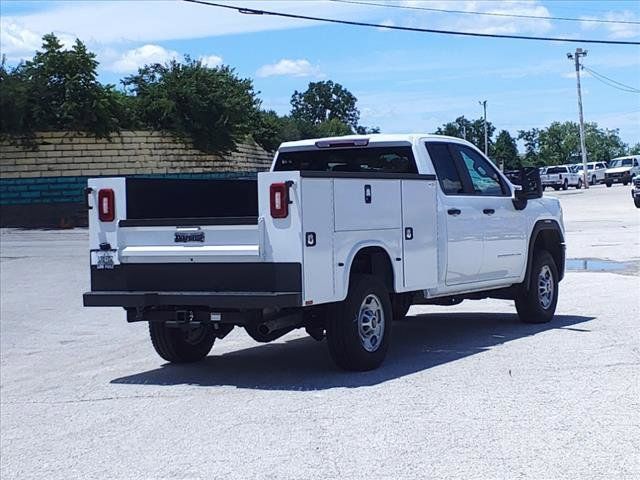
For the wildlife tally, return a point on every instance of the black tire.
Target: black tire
(400, 305)
(579, 185)
(529, 304)
(594, 180)
(625, 182)
(343, 326)
(556, 188)
(609, 184)
(565, 185)
(636, 201)
(181, 344)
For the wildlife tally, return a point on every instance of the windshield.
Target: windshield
(623, 162)
(372, 159)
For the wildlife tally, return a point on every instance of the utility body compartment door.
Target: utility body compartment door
(366, 204)
(317, 240)
(419, 234)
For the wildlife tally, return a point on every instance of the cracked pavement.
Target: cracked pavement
(466, 391)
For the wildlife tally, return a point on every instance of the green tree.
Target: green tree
(560, 143)
(325, 101)
(635, 150)
(531, 140)
(58, 90)
(471, 130)
(505, 151)
(211, 107)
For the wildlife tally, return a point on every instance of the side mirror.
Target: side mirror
(527, 185)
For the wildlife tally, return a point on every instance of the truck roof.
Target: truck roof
(373, 138)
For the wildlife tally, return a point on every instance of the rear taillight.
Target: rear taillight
(279, 200)
(106, 205)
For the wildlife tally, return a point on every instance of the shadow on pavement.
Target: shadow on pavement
(419, 342)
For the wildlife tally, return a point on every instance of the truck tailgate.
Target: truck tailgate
(184, 240)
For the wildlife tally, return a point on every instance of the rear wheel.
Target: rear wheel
(608, 183)
(594, 180)
(181, 344)
(537, 304)
(579, 185)
(359, 329)
(636, 200)
(565, 185)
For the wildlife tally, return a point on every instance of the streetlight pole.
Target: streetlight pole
(484, 118)
(583, 147)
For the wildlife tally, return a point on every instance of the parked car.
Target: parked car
(559, 177)
(341, 237)
(595, 172)
(635, 191)
(622, 170)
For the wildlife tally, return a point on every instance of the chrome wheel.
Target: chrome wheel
(545, 287)
(371, 323)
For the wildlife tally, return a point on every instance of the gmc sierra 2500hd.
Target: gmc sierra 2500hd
(341, 237)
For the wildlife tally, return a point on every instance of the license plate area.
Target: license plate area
(105, 260)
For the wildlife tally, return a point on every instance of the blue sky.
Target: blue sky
(403, 81)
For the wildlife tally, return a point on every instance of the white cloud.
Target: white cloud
(487, 24)
(211, 60)
(133, 59)
(154, 21)
(19, 43)
(615, 30)
(293, 68)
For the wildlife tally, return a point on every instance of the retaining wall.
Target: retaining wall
(44, 187)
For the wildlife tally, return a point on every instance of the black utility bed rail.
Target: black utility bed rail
(187, 222)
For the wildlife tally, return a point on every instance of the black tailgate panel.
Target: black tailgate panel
(149, 198)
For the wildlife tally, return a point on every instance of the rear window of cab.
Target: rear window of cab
(397, 159)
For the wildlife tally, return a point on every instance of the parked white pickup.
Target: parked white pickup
(561, 177)
(340, 237)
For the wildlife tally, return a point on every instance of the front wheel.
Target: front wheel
(579, 185)
(359, 329)
(636, 201)
(609, 184)
(183, 343)
(537, 303)
(594, 180)
(565, 185)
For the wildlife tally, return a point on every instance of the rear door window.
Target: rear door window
(446, 170)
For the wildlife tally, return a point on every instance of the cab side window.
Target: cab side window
(484, 177)
(446, 170)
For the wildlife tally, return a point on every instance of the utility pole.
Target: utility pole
(484, 118)
(583, 147)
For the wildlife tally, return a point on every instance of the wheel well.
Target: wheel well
(551, 241)
(373, 261)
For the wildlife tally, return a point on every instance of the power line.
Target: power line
(491, 14)
(252, 11)
(610, 82)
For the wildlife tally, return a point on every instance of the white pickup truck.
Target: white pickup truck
(341, 237)
(561, 177)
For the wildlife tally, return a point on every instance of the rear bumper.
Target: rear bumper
(240, 285)
(222, 300)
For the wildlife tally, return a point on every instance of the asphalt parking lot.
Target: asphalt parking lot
(466, 392)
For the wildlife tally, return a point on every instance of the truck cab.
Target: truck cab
(340, 238)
